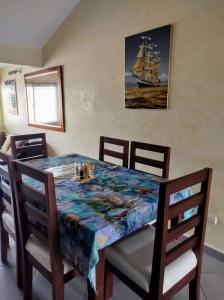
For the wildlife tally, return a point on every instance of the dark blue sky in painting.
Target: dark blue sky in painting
(159, 36)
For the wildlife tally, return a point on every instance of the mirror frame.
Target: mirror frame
(57, 69)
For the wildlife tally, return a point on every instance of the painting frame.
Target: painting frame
(11, 97)
(147, 68)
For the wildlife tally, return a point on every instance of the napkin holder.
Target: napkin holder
(85, 173)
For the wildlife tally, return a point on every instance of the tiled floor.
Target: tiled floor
(212, 287)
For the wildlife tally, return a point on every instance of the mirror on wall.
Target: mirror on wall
(45, 99)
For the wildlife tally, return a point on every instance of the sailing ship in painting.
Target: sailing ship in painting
(147, 77)
(146, 66)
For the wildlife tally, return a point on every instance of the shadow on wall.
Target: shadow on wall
(50, 150)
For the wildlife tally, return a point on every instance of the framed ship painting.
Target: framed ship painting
(147, 69)
(11, 97)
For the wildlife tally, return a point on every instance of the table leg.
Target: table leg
(108, 292)
(100, 274)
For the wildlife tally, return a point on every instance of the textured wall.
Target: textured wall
(90, 46)
(2, 75)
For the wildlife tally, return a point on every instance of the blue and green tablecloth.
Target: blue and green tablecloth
(95, 214)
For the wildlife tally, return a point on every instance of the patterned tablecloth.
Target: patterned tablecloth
(95, 214)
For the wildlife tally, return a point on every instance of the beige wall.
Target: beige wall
(90, 46)
(1, 112)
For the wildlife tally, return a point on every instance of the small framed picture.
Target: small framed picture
(11, 97)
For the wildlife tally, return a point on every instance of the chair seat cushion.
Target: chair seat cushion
(8, 220)
(133, 257)
(42, 254)
(7, 144)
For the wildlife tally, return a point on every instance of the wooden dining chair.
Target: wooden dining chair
(29, 146)
(39, 232)
(123, 155)
(160, 164)
(8, 219)
(26, 147)
(157, 264)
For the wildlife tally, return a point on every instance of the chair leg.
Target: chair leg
(58, 287)
(19, 270)
(108, 284)
(91, 293)
(4, 244)
(194, 289)
(28, 280)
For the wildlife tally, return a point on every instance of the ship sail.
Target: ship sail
(146, 65)
(138, 66)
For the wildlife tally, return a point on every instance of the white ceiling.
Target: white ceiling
(30, 23)
(3, 65)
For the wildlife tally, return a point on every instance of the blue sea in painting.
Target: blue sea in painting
(131, 82)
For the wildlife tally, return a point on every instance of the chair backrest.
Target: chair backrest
(123, 155)
(2, 138)
(166, 234)
(7, 194)
(160, 164)
(29, 146)
(5, 181)
(37, 210)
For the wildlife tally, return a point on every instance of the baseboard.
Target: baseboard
(216, 253)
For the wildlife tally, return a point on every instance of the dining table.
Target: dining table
(95, 213)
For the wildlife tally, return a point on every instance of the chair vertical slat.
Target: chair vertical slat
(156, 286)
